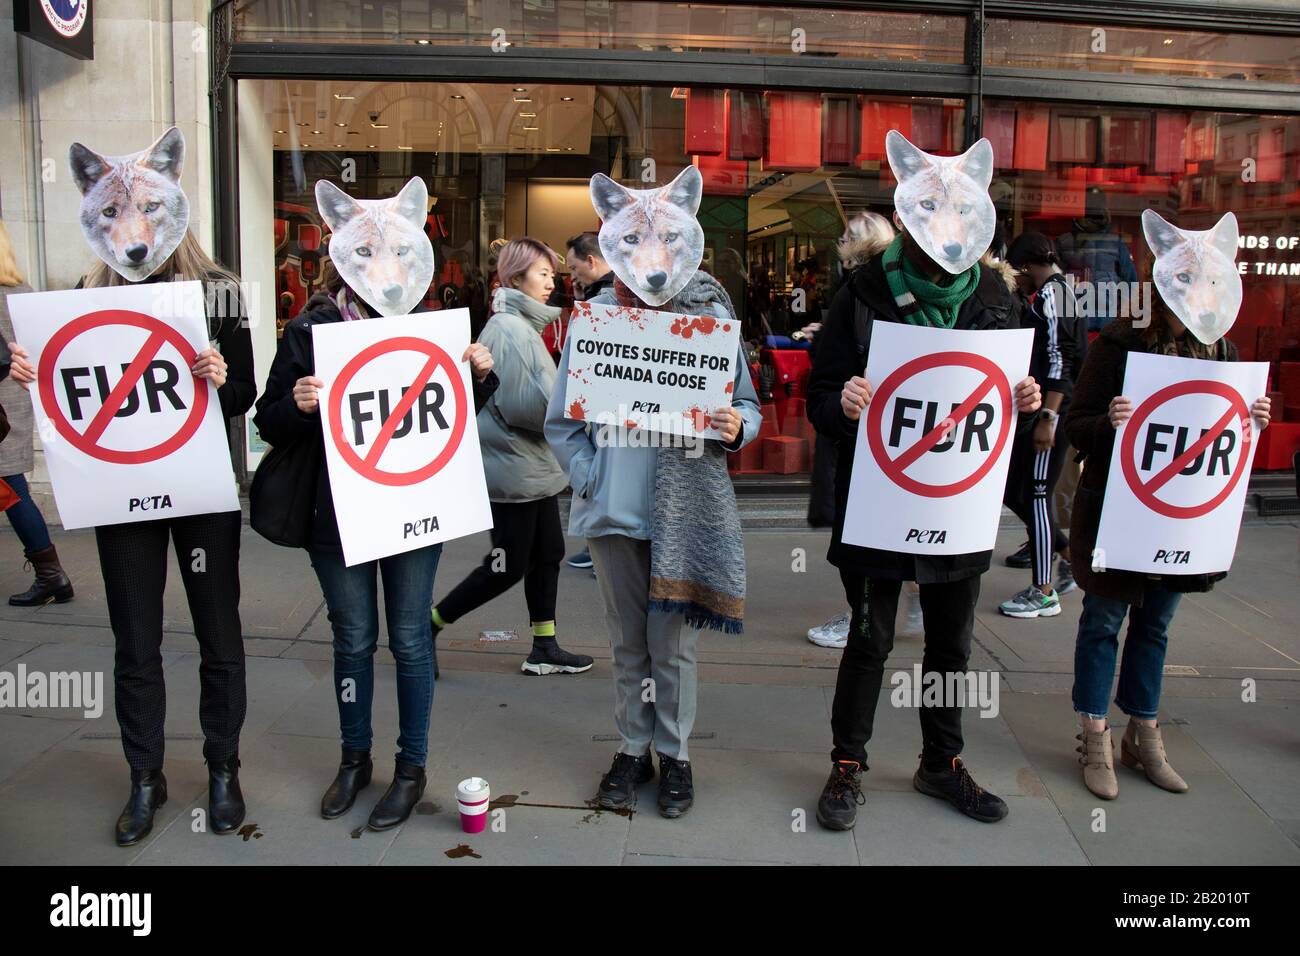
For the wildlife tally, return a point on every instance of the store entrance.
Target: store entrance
(784, 173)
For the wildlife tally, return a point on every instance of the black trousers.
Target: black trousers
(949, 612)
(527, 544)
(1031, 481)
(133, 558)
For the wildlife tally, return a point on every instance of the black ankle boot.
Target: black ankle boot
(353, 777)
(225, 799)
(148, 793)
(51, 584)
(400, 798)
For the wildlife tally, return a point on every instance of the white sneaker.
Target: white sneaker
(834, 633)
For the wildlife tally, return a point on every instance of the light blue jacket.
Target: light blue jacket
(613, 484)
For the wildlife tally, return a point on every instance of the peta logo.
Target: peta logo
(77, 909)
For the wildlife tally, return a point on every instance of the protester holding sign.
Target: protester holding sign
(381, 263)
(661, 522)
(524, 479)
(1200, 293)
(135, 217)
(929, 276)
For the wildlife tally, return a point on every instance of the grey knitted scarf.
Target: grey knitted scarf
(697, 551)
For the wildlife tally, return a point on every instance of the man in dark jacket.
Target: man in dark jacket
(872, 578)
(1060, 341)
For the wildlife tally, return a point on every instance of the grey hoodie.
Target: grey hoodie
(517, 461)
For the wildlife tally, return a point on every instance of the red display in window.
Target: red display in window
(878, 118)
(705, 122)
(794, 131)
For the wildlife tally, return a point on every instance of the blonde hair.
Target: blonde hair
(10, 275)
(866, 234)
(189, 261)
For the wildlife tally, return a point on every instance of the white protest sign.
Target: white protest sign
(129, 433)
(401, 437)
(934, 444)
(1178, 474)
(639, 368)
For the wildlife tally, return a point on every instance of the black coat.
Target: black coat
(280, 422)
(1091, 433)
(840, 357)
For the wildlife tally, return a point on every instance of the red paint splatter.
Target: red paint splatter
(631, 424)
(727, 327)
(704, 324)
(578, 410)
(730, 387)
(699, 417)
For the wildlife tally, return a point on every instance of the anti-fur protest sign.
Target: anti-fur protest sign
(1178, 474)
(640, 368)
(401, 439)
(129, 433)
(934, 443)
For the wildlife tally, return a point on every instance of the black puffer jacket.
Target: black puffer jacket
(280, 422)
(839, 358)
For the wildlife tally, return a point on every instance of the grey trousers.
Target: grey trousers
(654, 654)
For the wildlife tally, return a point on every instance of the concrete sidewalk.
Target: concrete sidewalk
(760, 749)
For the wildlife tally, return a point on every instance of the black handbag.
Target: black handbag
(282, 499)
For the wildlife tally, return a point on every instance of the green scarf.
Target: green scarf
(921, 301)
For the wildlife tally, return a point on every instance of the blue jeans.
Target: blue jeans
(1143, 664)
(353, 603)
(26, 517)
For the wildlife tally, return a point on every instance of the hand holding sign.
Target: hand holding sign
(1120, 411)
(855, 396)
(306, 394)
(20, 369)
(1262, 412)
(1029, 395)
(480, 360)
(210, 365)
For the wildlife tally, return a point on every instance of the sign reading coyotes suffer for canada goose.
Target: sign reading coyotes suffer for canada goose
(129, 433)
(659, 371)
(1178, 475)
(401, 437)
(934, 443)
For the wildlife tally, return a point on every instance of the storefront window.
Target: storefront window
(611, 25)
(1046, 45)
(1083, 175)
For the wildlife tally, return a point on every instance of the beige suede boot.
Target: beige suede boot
(1098, 759)
(1142, 746)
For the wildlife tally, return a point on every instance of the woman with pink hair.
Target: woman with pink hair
(524, 479)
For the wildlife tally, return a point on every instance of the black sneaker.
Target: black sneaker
(626, 773)
(550, 658)
(958, 787)
(1020, 559)
(838, 807)
(676, 792)
(581, 560)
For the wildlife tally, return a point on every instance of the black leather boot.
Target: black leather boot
(353, 777)
(400, 798)
(148, 793)
(225, 799)
(51, 582)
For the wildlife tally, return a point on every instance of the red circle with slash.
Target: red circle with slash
(87, 442)
(1146, 491)
(894, 467)
(368, 467)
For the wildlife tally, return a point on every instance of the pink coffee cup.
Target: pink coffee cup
(472, 797)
